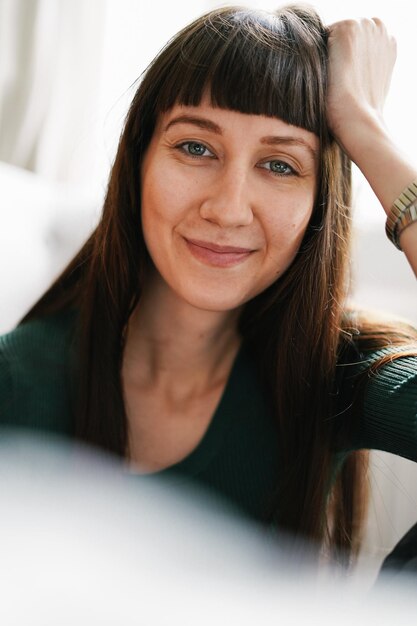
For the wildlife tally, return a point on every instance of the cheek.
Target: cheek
(157, 209)
(286, 228)
(152, 218)
(165, 199)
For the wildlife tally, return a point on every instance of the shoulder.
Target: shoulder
(6, 384)
(39, 341)
(34, 361)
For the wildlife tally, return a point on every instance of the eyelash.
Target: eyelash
(182, 148)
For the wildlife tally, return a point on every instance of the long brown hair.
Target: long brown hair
(254, 62)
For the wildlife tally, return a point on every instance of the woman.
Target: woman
(203, 328)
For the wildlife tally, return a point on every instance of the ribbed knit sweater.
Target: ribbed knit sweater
(238, 456)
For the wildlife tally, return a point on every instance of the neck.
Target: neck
(170, 343)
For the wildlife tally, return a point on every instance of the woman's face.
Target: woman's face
(226, 198)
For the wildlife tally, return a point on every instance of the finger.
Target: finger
(378, 21)
(383, 27)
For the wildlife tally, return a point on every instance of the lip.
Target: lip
(216, 248)
(215, 255)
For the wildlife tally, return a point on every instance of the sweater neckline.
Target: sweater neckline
(210, 443)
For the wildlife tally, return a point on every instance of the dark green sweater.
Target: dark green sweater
(238, 456)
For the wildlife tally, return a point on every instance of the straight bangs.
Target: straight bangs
(254, 62)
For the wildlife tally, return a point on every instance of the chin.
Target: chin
(216, 305)
(215, 302)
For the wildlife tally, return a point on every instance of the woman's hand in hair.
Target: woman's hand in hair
(361, 59)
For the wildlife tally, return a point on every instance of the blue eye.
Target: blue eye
(195, 149)
(280, 168)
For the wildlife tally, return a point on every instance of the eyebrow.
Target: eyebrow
(201, 122)
(289, 141)
(271, 140)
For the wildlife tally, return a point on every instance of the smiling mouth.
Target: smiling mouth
(216, 255)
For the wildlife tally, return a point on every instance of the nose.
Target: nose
(227, 202)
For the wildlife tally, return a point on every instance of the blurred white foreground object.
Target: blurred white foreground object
(82, 542)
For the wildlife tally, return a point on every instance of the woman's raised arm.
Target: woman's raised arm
(361, 59)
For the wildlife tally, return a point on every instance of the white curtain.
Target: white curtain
(66, 71)
(50, 59)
